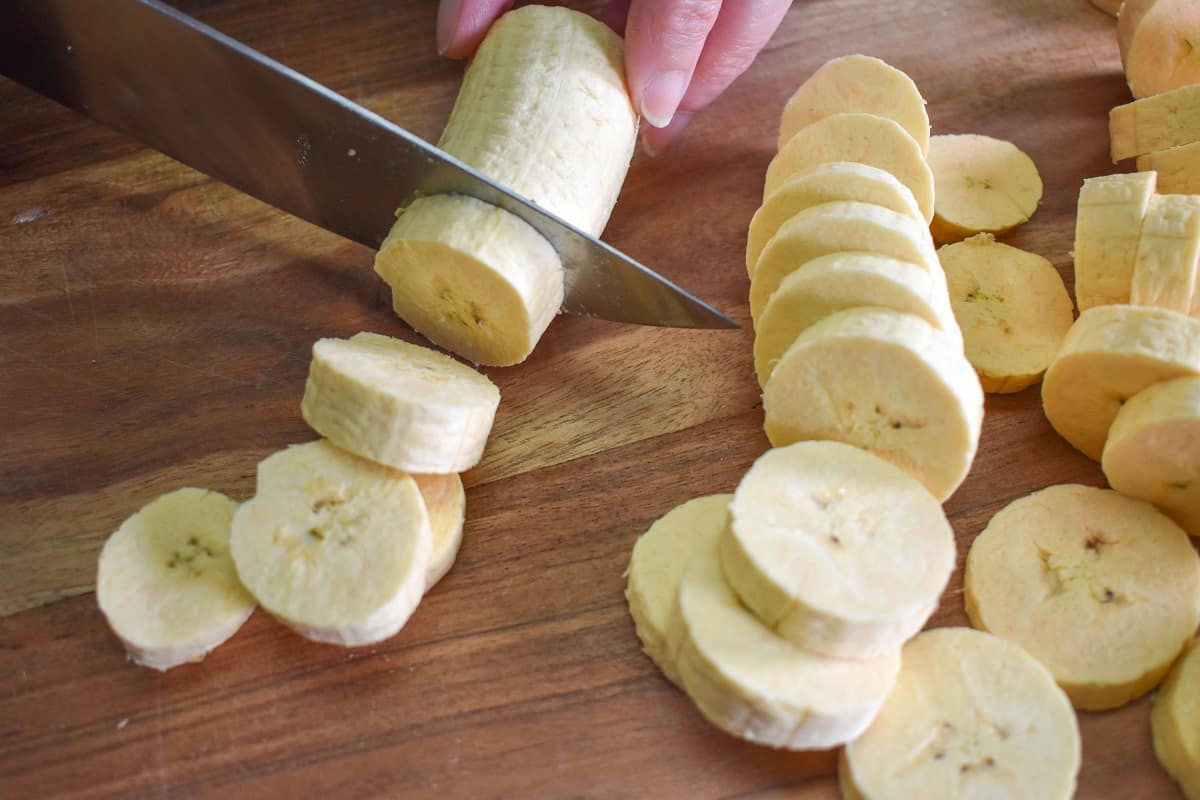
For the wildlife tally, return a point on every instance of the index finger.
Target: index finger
(663, 42)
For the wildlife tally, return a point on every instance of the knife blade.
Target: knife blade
(187, 90)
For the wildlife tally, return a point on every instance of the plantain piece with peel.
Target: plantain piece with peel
(911, 397)
(1173, 722)
(399, 404)
(166, 583)
(857, 83)
(1160, 44)
(1178, 168)
(1168, 257)
(1153, 450)
(656, 569)
(826, 183)
(1110, 354)
(1101, 588)
(1166, 120)
(981, 185)
(1012, 307)
(860, 138)
(544, 110)
(334, 546)
(972, 716)
(836, 550)
(1107, 230)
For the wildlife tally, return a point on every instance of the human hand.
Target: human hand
(679, 54)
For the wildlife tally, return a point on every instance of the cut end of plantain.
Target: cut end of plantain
(1108, 227)
(471, 278)
(981, 185)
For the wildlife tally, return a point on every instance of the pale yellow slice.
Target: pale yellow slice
(1168, 259)
(857, 83)
(399, 404)
(826, 183)
(755, 685)
(332, 545)
(1101, 588)
(834, 228)
(1153, 450)
(981, 185)
(972, 716)
(1178, 168)
(1173, 722)
(1160, 44)
(166, 583)
(837, 550)
(1012, 307)
(834, 283)
(887, 382)
(860, 138)
(656, 569)
(446, 504)
(1110, 354)
(1156, 123)
(1107, 230)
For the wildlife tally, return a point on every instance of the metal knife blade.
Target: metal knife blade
(204, 99)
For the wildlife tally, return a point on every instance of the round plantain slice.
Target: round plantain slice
(857, 83)
(656, 569)
(1012, 307)
(1101, 588)
(826, 183)
(861, 138)
(1153, 450)
(972, 716)
(755, 685)
(981, 185)
(910, 397)
(1173, 721)
(837, 550)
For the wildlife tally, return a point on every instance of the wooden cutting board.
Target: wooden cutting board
(154, 333)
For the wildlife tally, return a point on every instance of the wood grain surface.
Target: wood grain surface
(154, 333)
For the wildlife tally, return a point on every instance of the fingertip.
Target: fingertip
(656, 140)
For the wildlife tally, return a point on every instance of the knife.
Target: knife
(153, 73)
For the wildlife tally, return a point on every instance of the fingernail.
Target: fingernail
(661, 97)
(447, 21)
